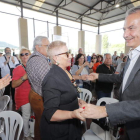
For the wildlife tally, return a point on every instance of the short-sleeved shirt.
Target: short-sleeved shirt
(22, 91)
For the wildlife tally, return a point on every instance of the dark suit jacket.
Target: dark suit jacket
(128, 110)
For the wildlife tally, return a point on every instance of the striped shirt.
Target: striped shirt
(37, 67)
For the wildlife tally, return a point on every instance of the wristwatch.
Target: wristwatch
(22, 79)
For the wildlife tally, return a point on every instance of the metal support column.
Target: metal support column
(47, 29)
(98, 29)
(21, 5)
(57, 18)
(81, 24)
(34, 26)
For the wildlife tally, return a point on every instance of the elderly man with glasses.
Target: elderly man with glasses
(37, 67)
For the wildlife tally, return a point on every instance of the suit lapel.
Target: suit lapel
(133, 73)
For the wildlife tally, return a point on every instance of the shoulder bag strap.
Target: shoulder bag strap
(8, 62)
(23, 67)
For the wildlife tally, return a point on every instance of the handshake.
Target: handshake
(89, 111)
(90, 77)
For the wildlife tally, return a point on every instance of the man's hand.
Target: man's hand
(83, 77)
(77, 114)
(5, 81)
(93, 111)
(12, 59)
(81, 102)
(93, 76)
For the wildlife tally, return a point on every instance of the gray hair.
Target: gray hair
(38, 41)
(54, 49)
(6, 48)
(133, 10)
(105, 56)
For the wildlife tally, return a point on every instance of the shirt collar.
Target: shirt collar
(38, 53)
(138, 48)
(133, 52)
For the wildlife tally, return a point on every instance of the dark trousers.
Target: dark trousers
(36, 102)
(101, 94)
(9, 89)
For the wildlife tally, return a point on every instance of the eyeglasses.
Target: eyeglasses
(45, 45)
(67, 53)
(94, 58)
(22, 54)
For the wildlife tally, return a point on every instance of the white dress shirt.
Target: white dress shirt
(134, 57)
(4, 68)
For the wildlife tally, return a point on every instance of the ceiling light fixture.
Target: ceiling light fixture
(38, 4)
(117, 5)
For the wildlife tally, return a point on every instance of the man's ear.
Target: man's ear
(37, 47)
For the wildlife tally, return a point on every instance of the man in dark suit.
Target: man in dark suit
(128, 110)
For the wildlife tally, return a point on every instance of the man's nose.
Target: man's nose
(126, 33)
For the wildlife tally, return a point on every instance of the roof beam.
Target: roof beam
(119, 7)
(86, 22)
(67, 9)
(109, 2)
(84, 5)
(114, 16)
(103, 15)
(61, 7)
(114, 8)
(56, 8)
(88, 10)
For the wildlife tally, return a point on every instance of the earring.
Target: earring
(57, 63)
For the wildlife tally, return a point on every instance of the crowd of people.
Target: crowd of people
(44, 82)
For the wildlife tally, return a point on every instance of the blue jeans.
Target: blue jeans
(101, 94)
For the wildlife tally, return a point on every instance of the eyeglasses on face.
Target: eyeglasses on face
(22, 54)
(45, 45)
(94, 58)
(67, 54)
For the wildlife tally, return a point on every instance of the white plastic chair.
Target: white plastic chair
(2, 91)
(4, 100)
(85, 95)
(11, 122)
(96, 132)
(106, 100)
